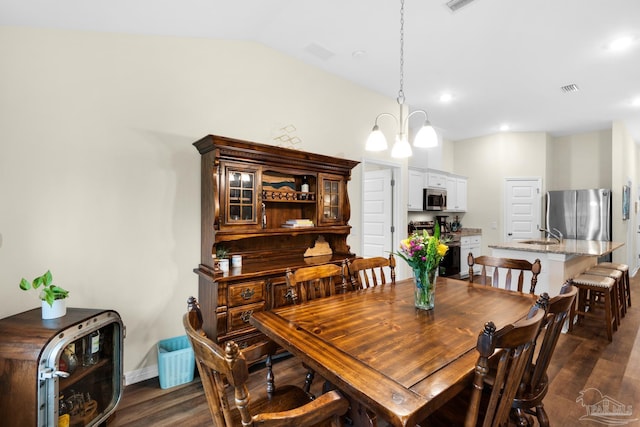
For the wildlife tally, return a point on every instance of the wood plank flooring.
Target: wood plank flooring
(583, 360)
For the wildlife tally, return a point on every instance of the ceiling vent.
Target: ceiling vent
(570, 88)
(457, 4)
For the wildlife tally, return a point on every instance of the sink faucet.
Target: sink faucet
(557, 235)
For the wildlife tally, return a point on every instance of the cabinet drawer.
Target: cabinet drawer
(239, 317)
(475, 240)
(246, 293)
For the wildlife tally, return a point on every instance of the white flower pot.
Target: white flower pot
(58, 309)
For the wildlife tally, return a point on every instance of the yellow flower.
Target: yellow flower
(442, 249)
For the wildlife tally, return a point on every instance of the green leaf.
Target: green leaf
(47, 278)
(37, 282)
(24, 285)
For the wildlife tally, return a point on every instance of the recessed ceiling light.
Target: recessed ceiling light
(636, 102)
(504, 127)
(621, 43)
(446, 97)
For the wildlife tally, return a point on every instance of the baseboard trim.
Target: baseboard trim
(139, 375)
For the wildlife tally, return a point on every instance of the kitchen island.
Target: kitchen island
(560, 261)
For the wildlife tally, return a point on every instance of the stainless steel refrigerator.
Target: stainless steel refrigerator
(580, 214)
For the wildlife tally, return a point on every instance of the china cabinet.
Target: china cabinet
(269, 205)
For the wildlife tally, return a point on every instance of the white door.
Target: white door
(523, 201)
(377, 211)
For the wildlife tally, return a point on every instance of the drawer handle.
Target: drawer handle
(247, 293)
(246, 315)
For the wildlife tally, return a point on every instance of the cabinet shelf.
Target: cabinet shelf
(80, 373)
(228, 236)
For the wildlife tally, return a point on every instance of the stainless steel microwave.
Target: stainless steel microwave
(435, 199)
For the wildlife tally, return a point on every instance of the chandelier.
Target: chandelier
(426, 136)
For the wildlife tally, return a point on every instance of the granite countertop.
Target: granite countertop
(568, 247)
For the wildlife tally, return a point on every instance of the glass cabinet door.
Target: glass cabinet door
(331, 199)
(241, 195)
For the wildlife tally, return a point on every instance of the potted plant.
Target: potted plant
(221, 257)
(52, 296)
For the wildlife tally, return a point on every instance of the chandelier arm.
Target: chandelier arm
(426, 116)
(385, 114)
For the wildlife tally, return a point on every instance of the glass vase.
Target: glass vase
(425, 288)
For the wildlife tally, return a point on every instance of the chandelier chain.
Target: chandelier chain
(401, 91)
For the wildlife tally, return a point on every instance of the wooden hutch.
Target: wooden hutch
(249, 193)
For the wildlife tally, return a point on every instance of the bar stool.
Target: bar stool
(589, 287)
(618, 277)
(625, 277)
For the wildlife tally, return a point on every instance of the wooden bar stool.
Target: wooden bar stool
(618, 277)
(589, 287)
(625, 278)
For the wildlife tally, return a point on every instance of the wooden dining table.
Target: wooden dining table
(398, 362)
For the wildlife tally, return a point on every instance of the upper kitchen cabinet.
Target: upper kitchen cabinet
(416, 189)
(436, 179)
(456, 193)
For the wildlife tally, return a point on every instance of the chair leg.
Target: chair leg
(541, 415)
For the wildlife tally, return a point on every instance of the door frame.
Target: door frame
(399, 220)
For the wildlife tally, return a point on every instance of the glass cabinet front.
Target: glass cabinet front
(85, 384)
(241, 196)
(331, 198)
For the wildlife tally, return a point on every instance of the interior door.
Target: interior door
(377, 213)
(523, 201)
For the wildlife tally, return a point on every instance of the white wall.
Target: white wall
(580, 161)
(487, 161)
(98, 177)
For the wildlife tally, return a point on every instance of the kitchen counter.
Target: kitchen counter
(560, 261)
(567, 247)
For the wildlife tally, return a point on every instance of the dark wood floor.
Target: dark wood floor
(583, 360)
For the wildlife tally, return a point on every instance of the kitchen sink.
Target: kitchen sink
(540, 242)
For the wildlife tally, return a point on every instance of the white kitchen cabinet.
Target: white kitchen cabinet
(456, 194)
(436, 179)
(468, 244)
(416, 186)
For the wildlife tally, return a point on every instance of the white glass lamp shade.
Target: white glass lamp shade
(426, 137)
(401, 148)
(376, 140)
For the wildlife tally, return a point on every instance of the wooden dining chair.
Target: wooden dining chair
(481, 404)
(309, 283)
(370, 272)
(284, 406)
(507, 266)
(318, 281)
(535, 383)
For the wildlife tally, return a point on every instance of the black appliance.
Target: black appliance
(434, 199)
(450, 264)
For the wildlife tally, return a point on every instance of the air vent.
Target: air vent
(570, 88)
(457, 4)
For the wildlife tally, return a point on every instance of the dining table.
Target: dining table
(397, 362)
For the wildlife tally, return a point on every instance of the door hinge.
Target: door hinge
(393, 229)
(393, 182)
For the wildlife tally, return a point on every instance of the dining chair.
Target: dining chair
(487, 406)
(309, 283)
(535, 383)
(507, 265)
(369, 272)
(318, 281)
(284, 406)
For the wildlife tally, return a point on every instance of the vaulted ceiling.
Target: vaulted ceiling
(504, 62)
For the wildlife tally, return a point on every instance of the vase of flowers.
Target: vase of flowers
(423, 253)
